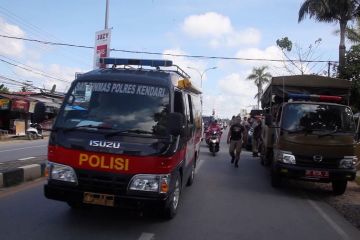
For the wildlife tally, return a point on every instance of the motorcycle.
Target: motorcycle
(214, 142)
(34, 131)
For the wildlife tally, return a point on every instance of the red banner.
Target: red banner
(20, 105)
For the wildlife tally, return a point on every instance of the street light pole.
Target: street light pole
(202, 73)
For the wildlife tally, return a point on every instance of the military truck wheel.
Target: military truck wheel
(275, 179)
(339, 187)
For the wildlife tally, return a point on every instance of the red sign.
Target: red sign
(20, 105)
(102, 46)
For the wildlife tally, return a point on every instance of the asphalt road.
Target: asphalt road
(224, 203)
(22, 149)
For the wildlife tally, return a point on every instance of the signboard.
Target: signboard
(32, 107)
(20, 105)
(4, 104)
(102, 46)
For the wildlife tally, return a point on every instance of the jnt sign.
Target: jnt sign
(102, 46)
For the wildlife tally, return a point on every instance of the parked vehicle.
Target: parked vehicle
(309, 130)
(126, 137)
(34, 131)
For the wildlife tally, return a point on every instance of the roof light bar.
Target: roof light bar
(138, 62)
(313, 97)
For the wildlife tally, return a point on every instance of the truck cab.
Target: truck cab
(310, 137)
(127, 136)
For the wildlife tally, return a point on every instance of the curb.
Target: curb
(21, 174)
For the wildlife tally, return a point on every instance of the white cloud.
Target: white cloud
(11, 47)
(208, 24)
(236, 93)
(272, 52)
(219, 29)
(185, 63)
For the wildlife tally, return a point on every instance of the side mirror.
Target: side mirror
(176, 123)
(268, 120)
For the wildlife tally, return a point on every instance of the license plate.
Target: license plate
(316, 174)
(99, 199)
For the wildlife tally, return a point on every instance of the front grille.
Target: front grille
(102, 182)
(329, 163)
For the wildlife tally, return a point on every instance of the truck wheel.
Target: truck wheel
(171, 209)
(339, 187)
(275, 179)
(192, 175)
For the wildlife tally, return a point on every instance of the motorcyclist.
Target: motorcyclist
(213, 126)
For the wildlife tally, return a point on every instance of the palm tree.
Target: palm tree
(353, 32)
(340, 11)
(260, 77)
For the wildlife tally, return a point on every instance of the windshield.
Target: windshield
(117, 106)
(317, 117)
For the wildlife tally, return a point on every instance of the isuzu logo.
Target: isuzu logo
(104, 144)
(317, 158)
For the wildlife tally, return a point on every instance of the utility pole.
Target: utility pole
(106, 14)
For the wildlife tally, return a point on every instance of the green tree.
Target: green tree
(351, 71)
(24, 89)
(4, 89)
(341, 11)
(260, 77)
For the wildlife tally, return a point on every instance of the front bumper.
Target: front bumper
(298, 172)
(73, 195)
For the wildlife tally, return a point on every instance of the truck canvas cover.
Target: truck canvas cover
(280, 87)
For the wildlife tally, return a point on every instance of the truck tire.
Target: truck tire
(339, 187)
(170, 210)
(275, 179)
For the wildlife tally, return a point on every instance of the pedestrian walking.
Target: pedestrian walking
(234, 138)
(257, 126)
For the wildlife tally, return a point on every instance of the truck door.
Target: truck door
(190, 131)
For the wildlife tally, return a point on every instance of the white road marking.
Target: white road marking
(15, 149)
(328, 219)
(147, 236)
(198, 165)
(27, 158)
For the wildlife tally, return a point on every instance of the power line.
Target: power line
(23, 83)
(170, 54)
(30, 70)
(37, 31)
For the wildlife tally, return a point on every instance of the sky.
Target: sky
(227, 28)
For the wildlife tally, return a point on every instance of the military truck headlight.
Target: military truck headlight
(348, 162)
(61, 172)
(150, 183)
(286, 157)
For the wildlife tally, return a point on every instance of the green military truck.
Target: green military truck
(309, 130)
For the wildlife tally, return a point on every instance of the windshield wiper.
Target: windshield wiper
(137, 131)
(84, 126)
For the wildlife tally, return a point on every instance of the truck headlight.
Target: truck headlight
(348, 162)
(286, 157)
(150, 183)
(61, 172)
